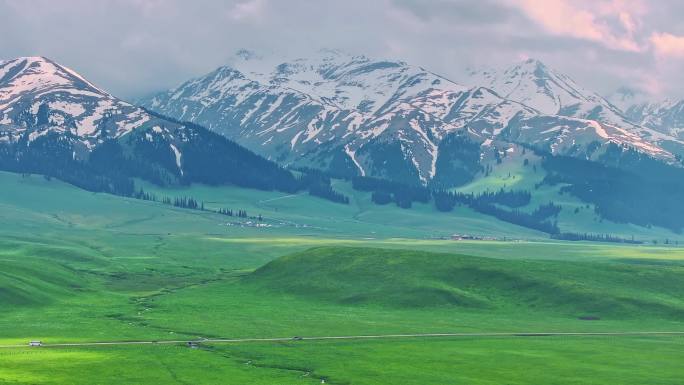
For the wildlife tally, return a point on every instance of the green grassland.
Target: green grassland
(77, 266)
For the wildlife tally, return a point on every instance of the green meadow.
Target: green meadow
(82, 267)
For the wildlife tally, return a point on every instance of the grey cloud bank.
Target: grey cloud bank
(135, 47)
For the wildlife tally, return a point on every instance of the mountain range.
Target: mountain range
(348, 117)
(355, 115)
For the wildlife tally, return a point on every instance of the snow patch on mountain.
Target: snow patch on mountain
(177, 154)
(665, 117)
(548, 91)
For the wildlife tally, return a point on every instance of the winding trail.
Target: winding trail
(359, 337)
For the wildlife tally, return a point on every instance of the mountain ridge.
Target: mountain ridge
(55, 122)
(666, 116)
(349, 104)
(68, 101)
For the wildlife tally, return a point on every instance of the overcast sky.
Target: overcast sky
(135, 47)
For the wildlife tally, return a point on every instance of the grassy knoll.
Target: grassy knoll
(414, 279)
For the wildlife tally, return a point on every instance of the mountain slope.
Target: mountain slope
(550, 92)
(666, 117)
(38, 96)
(55, 122)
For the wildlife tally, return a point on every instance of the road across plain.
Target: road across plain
(359, 337)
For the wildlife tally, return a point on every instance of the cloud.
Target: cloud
(628, 22)
(667, 44)
(134, 47)
(592, 21)
(248, 10)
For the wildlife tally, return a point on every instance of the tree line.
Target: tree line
(490, 204)
(386, 191)
(446, 200)
(594, 238)
(319, 184)
(190, 203)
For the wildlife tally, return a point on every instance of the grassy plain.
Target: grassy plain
(77, 266)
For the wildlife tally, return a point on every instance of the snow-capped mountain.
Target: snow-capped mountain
(334, 100)
(550, 92)
(55, 122)
(38, 96)
(535, 85)
(666, 117)
(346, 81)
(338, 111)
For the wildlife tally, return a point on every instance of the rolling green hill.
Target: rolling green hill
(418, 279)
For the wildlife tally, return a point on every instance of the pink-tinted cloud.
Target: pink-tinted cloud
(667, 44)
(610, 23)
(628, 23)
(603, 44)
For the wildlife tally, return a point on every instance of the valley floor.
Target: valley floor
(83, 267)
